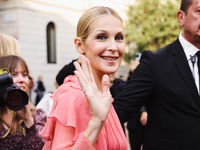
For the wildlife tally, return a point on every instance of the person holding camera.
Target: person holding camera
(19, 125)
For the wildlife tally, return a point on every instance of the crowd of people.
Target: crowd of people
(160, 101)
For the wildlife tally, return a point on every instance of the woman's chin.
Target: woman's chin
(110, 72)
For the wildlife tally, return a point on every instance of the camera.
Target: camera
(10, 94)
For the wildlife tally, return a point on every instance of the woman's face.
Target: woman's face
(105, 44)
(20, 78)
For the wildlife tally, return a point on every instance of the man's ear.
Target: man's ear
(181, 17)
(79, 45)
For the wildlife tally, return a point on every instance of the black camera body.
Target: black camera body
(10, 94)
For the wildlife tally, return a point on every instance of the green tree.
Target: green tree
(151, 24)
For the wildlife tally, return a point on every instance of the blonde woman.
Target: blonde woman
(76, 121)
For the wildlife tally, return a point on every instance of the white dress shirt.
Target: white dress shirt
(190, 50)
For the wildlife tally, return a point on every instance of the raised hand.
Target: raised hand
(98, 101)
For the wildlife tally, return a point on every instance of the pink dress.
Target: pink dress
(69, 118)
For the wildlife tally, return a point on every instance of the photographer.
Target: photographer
(20, 131)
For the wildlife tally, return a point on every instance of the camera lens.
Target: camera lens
(14, 98)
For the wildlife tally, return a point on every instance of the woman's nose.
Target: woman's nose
(19, 78)
(112, 45)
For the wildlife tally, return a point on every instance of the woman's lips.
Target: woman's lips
(109, 58)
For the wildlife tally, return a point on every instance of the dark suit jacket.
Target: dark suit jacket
(164, 82)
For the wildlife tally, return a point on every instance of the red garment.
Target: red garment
(69, 118)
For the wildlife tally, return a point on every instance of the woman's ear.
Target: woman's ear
(181, 17)
(79, 45)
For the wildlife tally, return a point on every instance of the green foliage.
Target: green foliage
(151, 24)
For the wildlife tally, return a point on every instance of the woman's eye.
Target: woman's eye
(119, 37)
(25, 74)
(13, 74)
(101, 37)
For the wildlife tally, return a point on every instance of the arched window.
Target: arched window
(51, 43)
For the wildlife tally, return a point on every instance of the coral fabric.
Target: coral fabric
(69, 118)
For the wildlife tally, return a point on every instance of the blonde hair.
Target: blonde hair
(90, 16)
(8, 45)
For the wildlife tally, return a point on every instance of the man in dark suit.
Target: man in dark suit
(167, 81)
